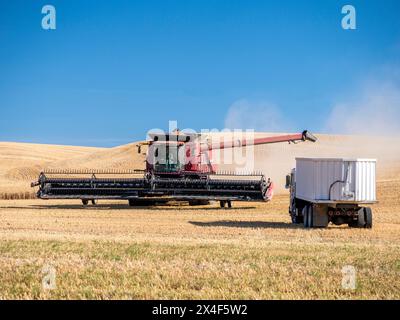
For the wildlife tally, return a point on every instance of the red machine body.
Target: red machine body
(179, 153)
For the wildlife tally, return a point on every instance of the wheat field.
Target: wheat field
(251, 251)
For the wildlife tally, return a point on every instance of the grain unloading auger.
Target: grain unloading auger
(178, 168)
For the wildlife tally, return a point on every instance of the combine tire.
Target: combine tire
(198, 202)
(224, 203)
(141, 203)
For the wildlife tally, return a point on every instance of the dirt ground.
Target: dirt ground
(59, 249)
(251, 251)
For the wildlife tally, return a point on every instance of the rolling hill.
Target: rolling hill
(20, 163)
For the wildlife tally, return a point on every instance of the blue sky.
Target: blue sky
(112, 70)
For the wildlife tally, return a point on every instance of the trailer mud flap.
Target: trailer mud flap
(320, 216)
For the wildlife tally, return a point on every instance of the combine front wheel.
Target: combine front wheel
(224, 203)
(198, 202)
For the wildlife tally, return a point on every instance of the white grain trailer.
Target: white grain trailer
(336, 190)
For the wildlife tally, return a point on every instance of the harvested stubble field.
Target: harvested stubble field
(251, 251)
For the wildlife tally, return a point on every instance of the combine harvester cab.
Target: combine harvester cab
(336, 190)
(177, 169)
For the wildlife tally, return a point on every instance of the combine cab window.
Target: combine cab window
(167, 159)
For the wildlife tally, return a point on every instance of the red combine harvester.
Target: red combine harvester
(178, 168)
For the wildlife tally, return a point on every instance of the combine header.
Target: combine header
(178, 168)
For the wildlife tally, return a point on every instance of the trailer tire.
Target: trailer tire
(310, 216)
(368, 217)
(305, 216)
(353, 224)
(297, 216)
(361, 223)
(94, 202)
(308, 211)
(85, 202)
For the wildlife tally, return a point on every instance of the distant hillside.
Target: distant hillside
(20, 163)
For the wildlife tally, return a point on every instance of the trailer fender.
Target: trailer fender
(320, 217)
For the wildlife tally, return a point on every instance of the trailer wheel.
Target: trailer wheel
(94, 202)
(310, 212)
(353, 224)
(222, 204)
(85, 202)
(308, 216)
(361, 218)
(297, 216)
(305, 216)
(368, 217)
